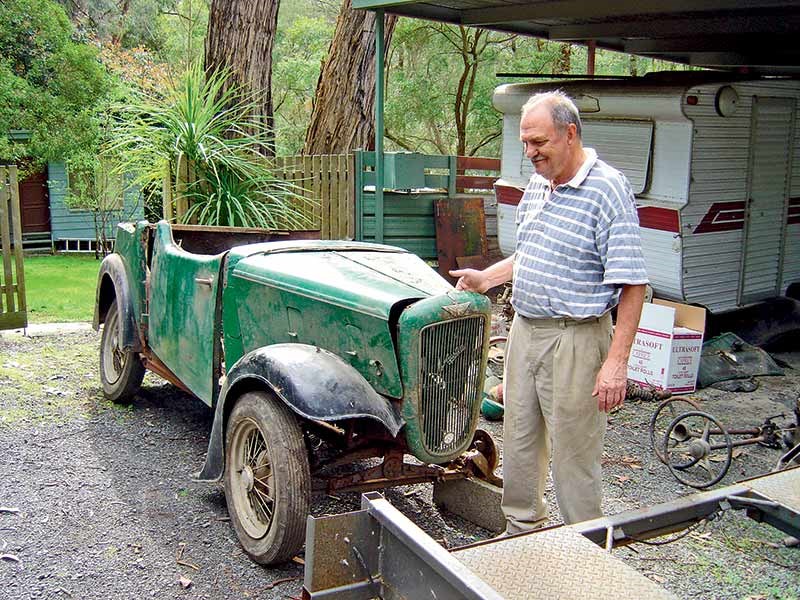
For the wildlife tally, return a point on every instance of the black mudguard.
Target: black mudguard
(314, 383)
(112, 282)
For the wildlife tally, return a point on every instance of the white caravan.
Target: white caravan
(714, 164)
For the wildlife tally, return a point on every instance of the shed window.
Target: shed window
(624, 144)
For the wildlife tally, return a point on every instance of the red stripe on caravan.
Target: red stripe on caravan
(663, 219)
(507, 194)
(722, 216)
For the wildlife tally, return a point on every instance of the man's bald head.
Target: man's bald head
(562, 109)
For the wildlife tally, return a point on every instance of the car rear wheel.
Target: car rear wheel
(121, 370)
(267, 478)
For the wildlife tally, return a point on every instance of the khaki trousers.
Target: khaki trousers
(551, 366)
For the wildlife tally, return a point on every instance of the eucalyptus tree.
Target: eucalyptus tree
(240, 37)
(342, 118)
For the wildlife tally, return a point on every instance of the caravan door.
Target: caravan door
(765, 214)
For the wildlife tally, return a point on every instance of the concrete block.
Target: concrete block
(472, 499)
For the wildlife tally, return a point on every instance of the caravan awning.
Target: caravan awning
(753, 36)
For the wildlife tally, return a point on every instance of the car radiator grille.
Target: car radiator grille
(450, 363)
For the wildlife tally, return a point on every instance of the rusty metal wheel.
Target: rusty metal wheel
(121, 370)
(698, 449)
(666, 412)
(267, 478)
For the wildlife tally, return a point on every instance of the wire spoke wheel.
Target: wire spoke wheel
(252, 478)
(267, 478)
(666, 412)
(698, 450)
(121, 370)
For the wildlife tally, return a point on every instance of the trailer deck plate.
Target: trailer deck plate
(782, 487)
(557, 563)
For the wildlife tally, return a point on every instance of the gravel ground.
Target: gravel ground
(97, 500)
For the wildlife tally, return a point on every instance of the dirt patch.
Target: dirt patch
(107, 507)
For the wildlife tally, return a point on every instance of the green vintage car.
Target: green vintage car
(311, 354)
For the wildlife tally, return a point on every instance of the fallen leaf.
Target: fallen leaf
(623, 478)
(185, 582)
(659, 578)
(632, 462)
(8, 509)
(737, 452)
(9, 557)
(298, 560)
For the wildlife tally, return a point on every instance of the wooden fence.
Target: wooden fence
(13, 309)
(329, 185)
(325, 182)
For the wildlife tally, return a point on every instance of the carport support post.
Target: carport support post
(379, 88)
(591, 46)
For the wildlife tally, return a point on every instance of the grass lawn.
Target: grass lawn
(60, 288)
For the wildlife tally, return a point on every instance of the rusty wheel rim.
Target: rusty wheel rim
(252, 490)
(114, 357)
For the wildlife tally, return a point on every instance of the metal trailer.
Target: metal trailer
(714, 162)
(379, 553)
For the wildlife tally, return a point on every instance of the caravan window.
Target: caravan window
(625, 145)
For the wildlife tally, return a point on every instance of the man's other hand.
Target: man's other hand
(611, 384)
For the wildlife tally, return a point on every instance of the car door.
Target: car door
(184, 317)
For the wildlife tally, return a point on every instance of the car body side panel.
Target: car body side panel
(184, 321)
(268, 315)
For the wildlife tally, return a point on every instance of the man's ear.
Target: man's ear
(572, 133)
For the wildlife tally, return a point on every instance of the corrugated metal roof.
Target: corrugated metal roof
(757, 35)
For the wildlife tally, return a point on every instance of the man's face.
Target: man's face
(544, 145)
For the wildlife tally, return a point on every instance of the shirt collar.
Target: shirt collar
(583, 172)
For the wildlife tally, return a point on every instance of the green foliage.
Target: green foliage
(181, 33)
(50, 86)
(300, 47)
(440, 85)
(200, 127)
(128, 23)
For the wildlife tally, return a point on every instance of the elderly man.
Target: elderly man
(578, 255)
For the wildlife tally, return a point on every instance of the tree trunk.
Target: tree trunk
(344, 104)
(564, 63)
(240, 37)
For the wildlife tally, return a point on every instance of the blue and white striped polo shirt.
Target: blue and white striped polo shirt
(577, 244)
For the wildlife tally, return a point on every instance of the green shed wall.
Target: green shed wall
(68, 223)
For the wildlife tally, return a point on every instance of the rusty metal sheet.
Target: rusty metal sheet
(782, 487)
(460, 231)
(335, 548)
(556, 563)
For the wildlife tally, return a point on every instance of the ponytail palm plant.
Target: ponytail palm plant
(202, 124)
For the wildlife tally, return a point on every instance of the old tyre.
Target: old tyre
(267, 478)
(121, 371)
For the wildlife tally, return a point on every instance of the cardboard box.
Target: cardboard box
(666, 350)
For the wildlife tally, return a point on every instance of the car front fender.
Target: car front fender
(112, 283)
(314, 383)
